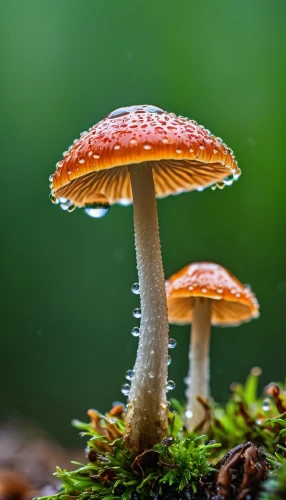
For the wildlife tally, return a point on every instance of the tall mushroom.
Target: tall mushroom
(206, 294)
(138, 153)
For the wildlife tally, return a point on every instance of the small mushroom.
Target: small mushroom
(138, 153)
(206, 294)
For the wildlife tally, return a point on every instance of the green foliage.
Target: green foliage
(275, 487)
(177, 463)
(246, 416)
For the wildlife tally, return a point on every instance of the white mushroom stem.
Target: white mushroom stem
(198, 379)
(146, 420)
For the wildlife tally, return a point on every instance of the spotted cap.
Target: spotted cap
(232, 302)
(183, 155)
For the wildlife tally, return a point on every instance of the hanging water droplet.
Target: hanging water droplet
(135, 331)
(266, 405)
(135, 288)
(125, 389)
(51, 178)
(228, 181)
(171, 385)
(189, 414)
(187, 380)
(172, 343)
(65, 204)
(137, 312)
(169, 360)
(151, 374)
(129, 374)
(96, 210)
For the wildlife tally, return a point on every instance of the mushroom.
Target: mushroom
(205, 294)
(138, 153)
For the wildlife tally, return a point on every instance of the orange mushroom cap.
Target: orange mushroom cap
(233, 303)
(184, 156)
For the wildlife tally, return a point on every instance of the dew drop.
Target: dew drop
(187, 380)
(191, 150)
(169, 360)
(137, 312)
(172, 343)
(202, 147)
(266, 405)
(96, 210)
(165, 140)
(129, 374)
(133, 142)
(228, 181)
(204, 290)
(237, 174)
(215, 151)
(178, 151)
(82, 160)
(147, 146)
(95, 156)
(51, 178)
(151, 374)
(135, 331)
(189, 414)
(171, 385)
(117, 146)
(125, 389)
(65, 204)
(135, 289)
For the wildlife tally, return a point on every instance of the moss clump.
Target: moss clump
(182, 466)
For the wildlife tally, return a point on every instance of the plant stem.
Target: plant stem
(147, 408)
(199, 361)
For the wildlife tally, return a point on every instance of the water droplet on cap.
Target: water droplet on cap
(151, 374)
(169, 360)
(65, 204)
(96, 210)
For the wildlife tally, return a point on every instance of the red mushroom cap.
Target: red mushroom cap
(184, 156)
(232, 302)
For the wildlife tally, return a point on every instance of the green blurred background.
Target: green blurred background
(66, 305)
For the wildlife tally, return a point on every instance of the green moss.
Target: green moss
(183, 464)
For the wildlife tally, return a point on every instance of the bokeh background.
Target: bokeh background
(66, 305)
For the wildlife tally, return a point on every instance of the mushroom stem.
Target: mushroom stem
(199, 361)
(146, 419)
